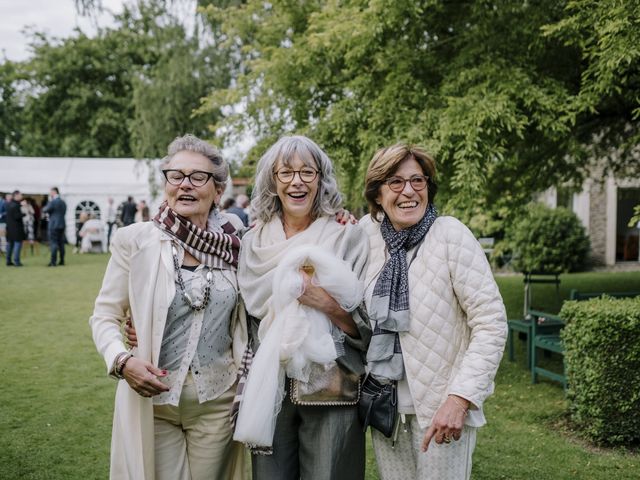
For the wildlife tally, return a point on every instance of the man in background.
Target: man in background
(129, 209)
(15, 230)
(238, 208)
(57, 209)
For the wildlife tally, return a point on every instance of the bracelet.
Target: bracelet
(121, 361)
(459, 403)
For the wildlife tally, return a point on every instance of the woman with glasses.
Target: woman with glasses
(439, 324)
(294, 203)
(176, 277)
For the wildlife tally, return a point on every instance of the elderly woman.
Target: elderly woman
(294, 202)
(439, 324)
(176, 276)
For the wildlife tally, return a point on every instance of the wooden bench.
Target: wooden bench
(545, 335)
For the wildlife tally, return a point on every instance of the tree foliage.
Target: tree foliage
(503, 93)
(128, 91)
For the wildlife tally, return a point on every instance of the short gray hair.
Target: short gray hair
(191, 143)
(264, 199)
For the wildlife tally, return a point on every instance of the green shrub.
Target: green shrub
(602, 361)
(546, 240)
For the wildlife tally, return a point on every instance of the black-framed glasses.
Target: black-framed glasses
(397, 184)
(306, 174)
(196, 178)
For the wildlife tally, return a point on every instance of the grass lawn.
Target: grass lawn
(56, 401)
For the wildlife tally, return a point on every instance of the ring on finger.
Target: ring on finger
(446, 439)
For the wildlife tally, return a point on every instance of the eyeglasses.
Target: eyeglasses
(307, 174)
(197, 178)
(397, 184)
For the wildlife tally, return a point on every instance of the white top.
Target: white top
(198, 341)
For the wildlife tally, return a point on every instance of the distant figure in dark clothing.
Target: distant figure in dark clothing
(227, 204)
(238, 209)
(129, 210)
(57, 209)
(15, 230)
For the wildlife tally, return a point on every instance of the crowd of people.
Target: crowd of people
(25, 223)
(201, 313)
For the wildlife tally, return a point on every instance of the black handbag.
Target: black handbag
(378, 405)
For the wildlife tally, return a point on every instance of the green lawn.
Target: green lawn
(56, 401)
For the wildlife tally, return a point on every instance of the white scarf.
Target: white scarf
(266, 245)
(296, 337)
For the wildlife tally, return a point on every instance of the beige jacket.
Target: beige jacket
(458, 325)
(140, 279)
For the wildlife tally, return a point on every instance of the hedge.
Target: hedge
(602, 361)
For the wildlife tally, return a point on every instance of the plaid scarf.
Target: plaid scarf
(390, 302)
(214, 249)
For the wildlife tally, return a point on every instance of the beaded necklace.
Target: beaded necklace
(207, 289)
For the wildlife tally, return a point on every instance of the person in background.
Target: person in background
(176, 276)
(111, 219)
(142, 212)
(239, 210)
(227, 204)
(128, 212)
(29, 221)
(15, 230)
(57, 209)
(439, 323)
(4, 202)
(92, 232)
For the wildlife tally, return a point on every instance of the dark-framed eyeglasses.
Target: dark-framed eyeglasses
(196, 178)
(397, 184)
(306, 174)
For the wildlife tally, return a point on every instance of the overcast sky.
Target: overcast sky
(55, 17)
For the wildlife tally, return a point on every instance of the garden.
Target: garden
(56, 402)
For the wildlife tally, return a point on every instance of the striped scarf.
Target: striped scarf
(215, 249)
(389, 311)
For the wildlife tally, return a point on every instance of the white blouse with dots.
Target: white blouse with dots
(198, 341)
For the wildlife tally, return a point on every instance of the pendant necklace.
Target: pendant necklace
(207, 289)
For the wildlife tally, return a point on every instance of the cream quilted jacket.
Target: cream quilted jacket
(458, 322)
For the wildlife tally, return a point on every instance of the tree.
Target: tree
(126, 92)
(496, 90)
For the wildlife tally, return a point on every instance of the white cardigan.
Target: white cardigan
(458, 325)
(140, 279)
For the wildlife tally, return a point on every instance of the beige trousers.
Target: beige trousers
(441, 462)
(193, 441)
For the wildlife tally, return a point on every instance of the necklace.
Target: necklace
(207, 289)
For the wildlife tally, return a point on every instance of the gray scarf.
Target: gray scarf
(390, 303)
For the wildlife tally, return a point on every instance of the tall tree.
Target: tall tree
(494, 95)
(128, 91)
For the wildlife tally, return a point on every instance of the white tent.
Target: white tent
(84, 183)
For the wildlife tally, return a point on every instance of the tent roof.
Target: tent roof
(36, 175)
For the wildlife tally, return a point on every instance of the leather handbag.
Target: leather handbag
(378, 405)
(328, 385)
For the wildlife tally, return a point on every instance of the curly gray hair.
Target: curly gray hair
(191, 143)
(264, 199)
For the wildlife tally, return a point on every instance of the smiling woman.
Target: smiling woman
(294, 201)
(176, 277)
(437, 317)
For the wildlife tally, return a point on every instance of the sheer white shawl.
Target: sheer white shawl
(292, 335)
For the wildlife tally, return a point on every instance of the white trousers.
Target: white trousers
(193, 441)
(441, 462)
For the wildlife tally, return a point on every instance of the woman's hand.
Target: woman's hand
(343, 216)
(448, 422)
(317, 297)
(130, 332)
(142, 377)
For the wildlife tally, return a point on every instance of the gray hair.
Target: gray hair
(264, 199)
(191, 143)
